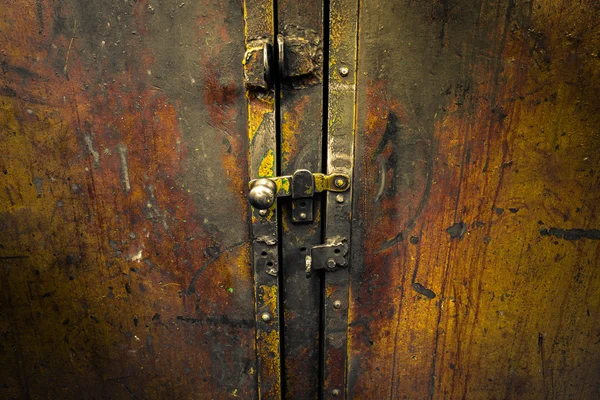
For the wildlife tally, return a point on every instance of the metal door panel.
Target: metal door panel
(301, 121)
(124, 236)
(475, 253)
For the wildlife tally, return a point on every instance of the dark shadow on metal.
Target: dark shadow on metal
(277, 78)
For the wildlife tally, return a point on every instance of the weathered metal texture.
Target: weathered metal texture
(343, 27)
(301, 105)
(124, 246)
(258, 61)
(263, 159)
(475, 268)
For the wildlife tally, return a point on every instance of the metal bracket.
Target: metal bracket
(299, 57)
(301, 186)
(329, 257)
(303, 190)
(258, 61)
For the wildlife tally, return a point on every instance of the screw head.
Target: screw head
(335, 392)
(302, 216)
(265, 317)
(263, 213)
(337, 304)
(344, 71)
(331, 263)
(339, 182)
(339, 198)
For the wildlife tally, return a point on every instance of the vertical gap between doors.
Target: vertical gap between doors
(324, 160)
(277, 102)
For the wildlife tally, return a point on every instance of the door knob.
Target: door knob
(262, 193)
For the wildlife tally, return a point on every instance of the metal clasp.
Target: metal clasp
(301, 187)
(330, 256)
(299, 57)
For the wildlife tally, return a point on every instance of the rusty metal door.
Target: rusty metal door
(475, 269)
(423, 179)
(124, 230)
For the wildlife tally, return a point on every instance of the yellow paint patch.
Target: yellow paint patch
(320, 183)
(269, 297)
(270, 365)
(267, 165)
(283, 185)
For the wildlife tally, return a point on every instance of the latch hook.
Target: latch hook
(302, 185)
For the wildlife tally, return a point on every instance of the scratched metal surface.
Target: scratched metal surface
(301, 115)
(124, 253)
(263, 162)
(475, 240)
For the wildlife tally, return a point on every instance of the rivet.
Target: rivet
(344, 71)
(337, 304)
(266, 317)
(335, 392)
(263, 213)
(339, 198)
(331, 263)
(302, 216)
(339, 182)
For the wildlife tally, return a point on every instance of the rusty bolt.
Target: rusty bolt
(344, 71)
(335, 392)
(337, 304)
(263, 213)
(339, 198)
(302, 216)
(340, 183)
(266, 317)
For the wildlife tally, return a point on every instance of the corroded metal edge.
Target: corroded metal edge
(259, 23)
(340, 154)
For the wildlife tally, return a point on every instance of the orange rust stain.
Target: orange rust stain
(290, 128)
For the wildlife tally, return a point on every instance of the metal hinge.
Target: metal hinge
(301, 187)
(300, 57)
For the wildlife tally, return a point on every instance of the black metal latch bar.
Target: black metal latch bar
(330, 256)
(301, 187)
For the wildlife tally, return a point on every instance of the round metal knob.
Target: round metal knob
(262, 194)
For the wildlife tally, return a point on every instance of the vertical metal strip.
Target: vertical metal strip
(301, 105)
(340, 156)
(259, 24)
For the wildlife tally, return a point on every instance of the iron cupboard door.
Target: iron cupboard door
(422, 179)
(124, 231)
(475, 254)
